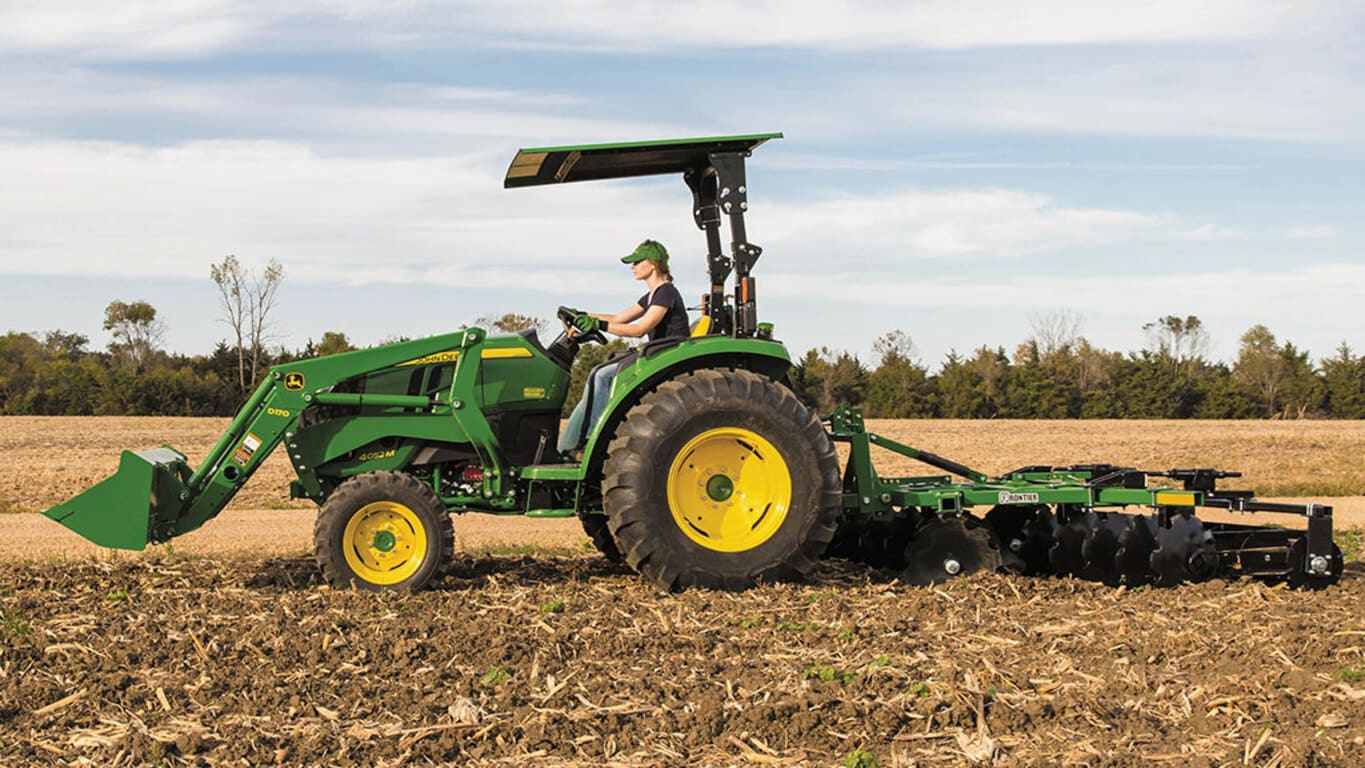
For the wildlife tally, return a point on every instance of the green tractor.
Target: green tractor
(703, 469)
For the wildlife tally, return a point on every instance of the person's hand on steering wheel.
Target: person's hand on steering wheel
(586, 323)
(580, 326)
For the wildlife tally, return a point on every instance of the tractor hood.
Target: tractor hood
(554, 165)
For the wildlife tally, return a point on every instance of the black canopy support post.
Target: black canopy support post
(705, 187)
(733, 196)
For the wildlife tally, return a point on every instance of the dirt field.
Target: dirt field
(228, 651)
(520, 661)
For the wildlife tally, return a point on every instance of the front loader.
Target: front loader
(703, 469)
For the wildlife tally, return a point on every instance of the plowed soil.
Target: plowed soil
(571, 661)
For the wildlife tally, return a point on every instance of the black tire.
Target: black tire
(652, 438)
(379, 494)
(596, 528)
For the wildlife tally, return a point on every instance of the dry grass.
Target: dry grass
(49, 459)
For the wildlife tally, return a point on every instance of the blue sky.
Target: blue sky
(954, 170)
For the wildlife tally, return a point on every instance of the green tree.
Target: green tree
(1344, 384)
(333, 343)
(899, 388)
(808, 378)
(1040, 386)
(1279, 377)
(136, 332)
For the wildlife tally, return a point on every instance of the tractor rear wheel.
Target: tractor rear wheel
(721, 479)
(595, 526)
(383, 531)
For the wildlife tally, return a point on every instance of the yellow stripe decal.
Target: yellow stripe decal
(450, 356)
(1175, 499)
(505, 353)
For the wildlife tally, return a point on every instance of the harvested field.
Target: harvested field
(571, 661)
(49, 459)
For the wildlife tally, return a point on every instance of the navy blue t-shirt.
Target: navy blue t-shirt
(675, 319)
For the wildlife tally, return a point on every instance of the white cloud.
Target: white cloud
(388, 117)
(1330, 287)
(119, 210)
(113, 209)
(1311, 233)
(985, 223)
(193, 27)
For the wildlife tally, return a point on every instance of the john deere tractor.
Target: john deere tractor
(703, 469)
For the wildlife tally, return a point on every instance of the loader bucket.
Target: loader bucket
(122, 511)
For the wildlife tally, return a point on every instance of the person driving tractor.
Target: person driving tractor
(660, 314)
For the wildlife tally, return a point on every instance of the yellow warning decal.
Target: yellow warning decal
(533, 393)
(247, 448)
(1175, 498)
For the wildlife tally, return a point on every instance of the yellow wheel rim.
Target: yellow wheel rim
(729, 489)
(385, 543)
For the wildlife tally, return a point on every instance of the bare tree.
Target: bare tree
(136, 331)
(1179, 340)
(896, 346)
(247, 299)
(1055, 331)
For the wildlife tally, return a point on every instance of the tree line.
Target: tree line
(1054, 374)
(1057, 374)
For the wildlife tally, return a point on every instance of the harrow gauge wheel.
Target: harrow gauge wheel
(1329, 569)
(721, 479)
(383, 531)
(946, 549)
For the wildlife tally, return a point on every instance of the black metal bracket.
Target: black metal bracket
(1319, 533)
(1197, 479)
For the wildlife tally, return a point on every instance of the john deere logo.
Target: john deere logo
(293, 381)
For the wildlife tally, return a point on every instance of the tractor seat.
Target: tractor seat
(701, 327)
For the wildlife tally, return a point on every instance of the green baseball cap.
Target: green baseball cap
(649, 249)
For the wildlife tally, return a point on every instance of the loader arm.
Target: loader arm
(155, 496)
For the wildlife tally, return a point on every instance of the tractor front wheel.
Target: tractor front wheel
(383, 531)
(721, 479)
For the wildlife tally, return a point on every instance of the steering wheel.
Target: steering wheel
(566, 316)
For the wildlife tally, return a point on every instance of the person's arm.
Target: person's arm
(624, 316)
(650, 318)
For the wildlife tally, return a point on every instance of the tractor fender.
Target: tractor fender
(658, 362)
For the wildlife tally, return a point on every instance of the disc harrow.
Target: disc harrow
(1097, 522)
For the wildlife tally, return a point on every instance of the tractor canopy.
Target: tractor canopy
(555, 165)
